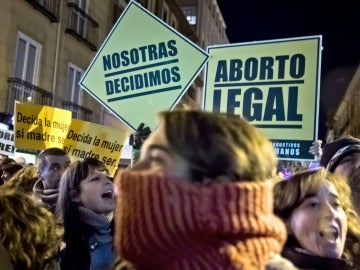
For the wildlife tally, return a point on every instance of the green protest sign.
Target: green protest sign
(274, 84)
(144, 66)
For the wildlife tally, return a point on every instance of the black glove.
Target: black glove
(136, 139)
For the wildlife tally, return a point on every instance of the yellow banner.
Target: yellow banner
(39, 127)
(85, 139)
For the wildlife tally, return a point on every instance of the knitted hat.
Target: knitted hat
(161, 223)
(335, 151)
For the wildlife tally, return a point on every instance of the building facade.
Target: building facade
(207, 22)
(46, 45)
(346, 121)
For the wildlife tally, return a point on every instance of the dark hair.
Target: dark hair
(52, 151)
(330, 149)
(11, 168)
(8, 161)
(70, 183)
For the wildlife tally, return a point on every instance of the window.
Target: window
(73, 91)
(190, 14)
(27, 58)
(80, 19)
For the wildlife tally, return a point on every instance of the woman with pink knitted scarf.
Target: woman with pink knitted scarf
(199, 197)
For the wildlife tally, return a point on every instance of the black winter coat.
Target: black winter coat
(308, 262)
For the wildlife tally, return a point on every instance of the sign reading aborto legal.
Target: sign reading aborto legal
(273, 84)
(144, 66)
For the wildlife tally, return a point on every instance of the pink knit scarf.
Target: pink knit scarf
(162, 223)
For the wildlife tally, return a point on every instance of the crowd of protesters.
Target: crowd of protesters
(205, 191)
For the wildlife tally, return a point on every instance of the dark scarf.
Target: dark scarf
(100, 223)
(303, 260)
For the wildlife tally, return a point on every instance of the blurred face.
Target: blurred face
(2, 158)
(5, 176)
(51, 173)
(348, 165)
(320, 224)
(157, 156)
(97, 192)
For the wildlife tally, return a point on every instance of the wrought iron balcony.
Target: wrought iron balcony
(78, 111)
(50, 8)
(23, 91)
(82, 26)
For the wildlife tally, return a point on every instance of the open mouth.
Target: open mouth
(108, 194)
(329, 234)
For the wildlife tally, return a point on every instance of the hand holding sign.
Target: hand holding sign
(315, 149)
(136, 139)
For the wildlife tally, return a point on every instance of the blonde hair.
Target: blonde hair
(219, 145)
(23, 180)
(289, 194)
(28, 231)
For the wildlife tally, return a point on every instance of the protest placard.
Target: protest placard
(273, 84)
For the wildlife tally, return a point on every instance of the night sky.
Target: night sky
(338, 22)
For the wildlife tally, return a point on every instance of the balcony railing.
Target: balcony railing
(50, 8)
(82, 26)
(78, 111)
(26, 92)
